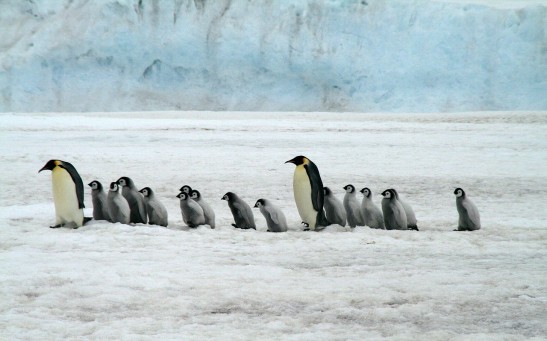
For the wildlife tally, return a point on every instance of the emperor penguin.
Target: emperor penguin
(98, 197)
(308, 193)
(157, 214)
(372, 215)
(186, 189)
(243, 215)
(68, 194)
(353, 208)
(334, 209)
(118, 207)
(470, 219)
(192, 213)
(135, 200)
(394, 212)
(410, 216)
(207, 210)
(275, 219)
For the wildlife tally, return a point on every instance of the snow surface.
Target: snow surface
(113, 281)
(294, 55)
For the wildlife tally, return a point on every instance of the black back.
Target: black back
(78, 183)
(317, 196)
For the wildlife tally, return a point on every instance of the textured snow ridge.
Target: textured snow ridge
(296, 55)
(113, 281)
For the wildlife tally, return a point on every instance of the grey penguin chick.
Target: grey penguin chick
(186, 189)
(207, 210)
(372, 215)
(470, 219)
(410, 216)
(352, 206)
(192, 213)
(157, 214)
(394, 212)
(135, 200)
(118, 207)
(243, 215)
(99, 198)
(334, 209)
(275, 219)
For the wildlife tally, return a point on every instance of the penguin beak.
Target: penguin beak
(256, 205)
(222, 198)
(291, 161)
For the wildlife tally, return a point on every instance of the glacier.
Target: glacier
(293, 55)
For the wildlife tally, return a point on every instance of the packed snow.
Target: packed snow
(298, 55)
(114, 281)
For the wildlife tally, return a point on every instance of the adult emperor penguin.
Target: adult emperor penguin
(470, 219)
(275, 219)
(372, 215)
(98, 197)
(118, 207)
(308, 193)
(394, 212)
(68, 194)
(135, 200)
(353, 208)
(243, 215)
(207, 210)
(192, 213)
(157, 214)
(412, 223)
(334, 209)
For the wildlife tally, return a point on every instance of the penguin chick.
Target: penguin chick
(334, 209)
(410, 216)
(157, 214)
(118, 207)
(372, 215)
(352, 206)
(99, 199)
(308, 193)
(68, 194)
(135, 200)
(243, 215)
(275, 219)
(207, 210)
(394, 213)
(469, 219)
(186, 189)
(192, 213)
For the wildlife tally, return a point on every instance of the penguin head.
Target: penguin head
(349, 188)
(195, 194)
(95, 185)
(125, 181)
(51, 164)
(327, 191)
(388, 194)
(299, 160)
(114, 187)
(366, 192)
(260, 203)
(182, 196)
(394, 192)
(186, 189)
(146, 192)
(459, 192)
(229, 196)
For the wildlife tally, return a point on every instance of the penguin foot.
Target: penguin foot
(306, 224)
(87, 220)
(234, 225)
(413, 228)
(56, 226)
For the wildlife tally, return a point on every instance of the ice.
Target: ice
(297, 55)
(113, 281)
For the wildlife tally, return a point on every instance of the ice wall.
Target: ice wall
(304, 55)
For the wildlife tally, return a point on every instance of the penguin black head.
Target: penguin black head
(182, 196)
(146, 192)
(298, 160)
(260, 202)
(366, 192)
(186, 189)
(394, 192)
(327, 191)
(195, 194)
(114, 187)
(125, 181)
(389, 194)
(229, 196)
(349, 188)
(51, 164)
(95, 185)
(459, 192)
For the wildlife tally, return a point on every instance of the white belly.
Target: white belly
(302, 196)
(65, 198)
